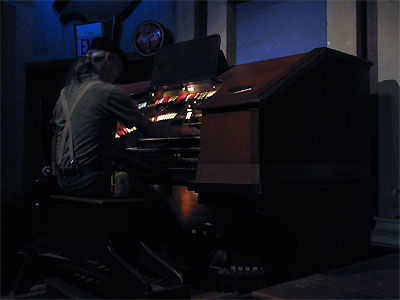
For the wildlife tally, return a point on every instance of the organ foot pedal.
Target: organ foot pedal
(145, 277)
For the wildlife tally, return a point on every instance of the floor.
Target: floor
(376, 278)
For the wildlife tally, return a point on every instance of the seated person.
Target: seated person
(86, 116)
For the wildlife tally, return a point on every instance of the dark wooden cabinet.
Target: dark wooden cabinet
(286, 149)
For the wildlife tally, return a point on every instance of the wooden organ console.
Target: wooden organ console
(277, 186)
(282, 170)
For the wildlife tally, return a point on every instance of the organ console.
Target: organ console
(282, 169)
(184, 76)
(278, 184)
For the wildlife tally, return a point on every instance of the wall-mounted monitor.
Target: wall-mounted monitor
(84, 35)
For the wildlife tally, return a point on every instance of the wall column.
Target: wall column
(222, 20)
(372, 42)
(185, 23)
(342, 26)
(17, 32)
(389, 107)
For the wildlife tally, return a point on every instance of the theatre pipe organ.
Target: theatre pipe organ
(284, 153)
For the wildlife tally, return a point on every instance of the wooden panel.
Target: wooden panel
(95, 201)
(253, 84)
(229, 173)
(260, 76)
(230, 138)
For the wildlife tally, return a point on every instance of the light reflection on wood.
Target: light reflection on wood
(187, 210)
(185, 202)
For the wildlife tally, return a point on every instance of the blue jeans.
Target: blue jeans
(88, 183)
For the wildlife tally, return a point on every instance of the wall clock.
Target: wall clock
(148, 37)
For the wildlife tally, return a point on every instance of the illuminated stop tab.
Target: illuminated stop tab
(189, 96)
(173, 98)
(202, 95)
(142, 105)
(162, 100)
(181, 98)
(163, 117)
(209, 94)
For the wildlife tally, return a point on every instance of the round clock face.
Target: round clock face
(148, 37)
